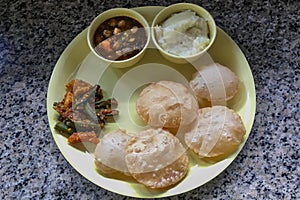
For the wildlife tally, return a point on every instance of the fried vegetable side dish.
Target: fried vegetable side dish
(83, 112)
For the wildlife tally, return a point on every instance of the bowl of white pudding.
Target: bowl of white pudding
(183, 32)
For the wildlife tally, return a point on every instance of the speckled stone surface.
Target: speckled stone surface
(33, 34)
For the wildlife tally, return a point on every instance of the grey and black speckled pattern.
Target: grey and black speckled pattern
(33, 34)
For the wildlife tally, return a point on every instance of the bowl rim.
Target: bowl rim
(178, 8)
(117, 12)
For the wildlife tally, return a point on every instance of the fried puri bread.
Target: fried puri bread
(110, 152)
(214, 83)
(218, 132)
(167, 104)
(156, 158)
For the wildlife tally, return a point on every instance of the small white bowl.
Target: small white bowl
(176, 8)
(117, 12)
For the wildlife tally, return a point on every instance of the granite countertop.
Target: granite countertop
(33, 34)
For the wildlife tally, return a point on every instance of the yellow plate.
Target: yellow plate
(77, 62)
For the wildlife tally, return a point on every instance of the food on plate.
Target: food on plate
(218, 133)
(183, 34)
(78, 137)
(156, 158)
(167, 104)
(110, 152)
(119, 38)
(215, 83)
(83, 112)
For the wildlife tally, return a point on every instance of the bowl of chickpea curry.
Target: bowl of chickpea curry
(119, 37)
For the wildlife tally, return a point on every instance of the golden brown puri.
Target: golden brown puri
(156, 158)
(110, 152)
(167, 104)
(215, 83)
(218, 133)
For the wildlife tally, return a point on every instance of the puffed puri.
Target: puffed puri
(215, 83)
(110, 152)
(218, 133)
(156, 158)
(167, 104)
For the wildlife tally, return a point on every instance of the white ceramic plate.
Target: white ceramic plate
(124, 84)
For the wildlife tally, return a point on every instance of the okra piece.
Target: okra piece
(88, 125)
(70, 124)
(62, 127)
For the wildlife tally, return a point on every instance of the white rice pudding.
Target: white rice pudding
(183, 34)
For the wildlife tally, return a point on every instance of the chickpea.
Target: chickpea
(126, 34)
(107, 33)
(117, 31)
(126, 50)
(131, 39)
(110, 57)
(121, 23)
(134, 29)
(119, 53)
(112, 22)
(116, 45)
